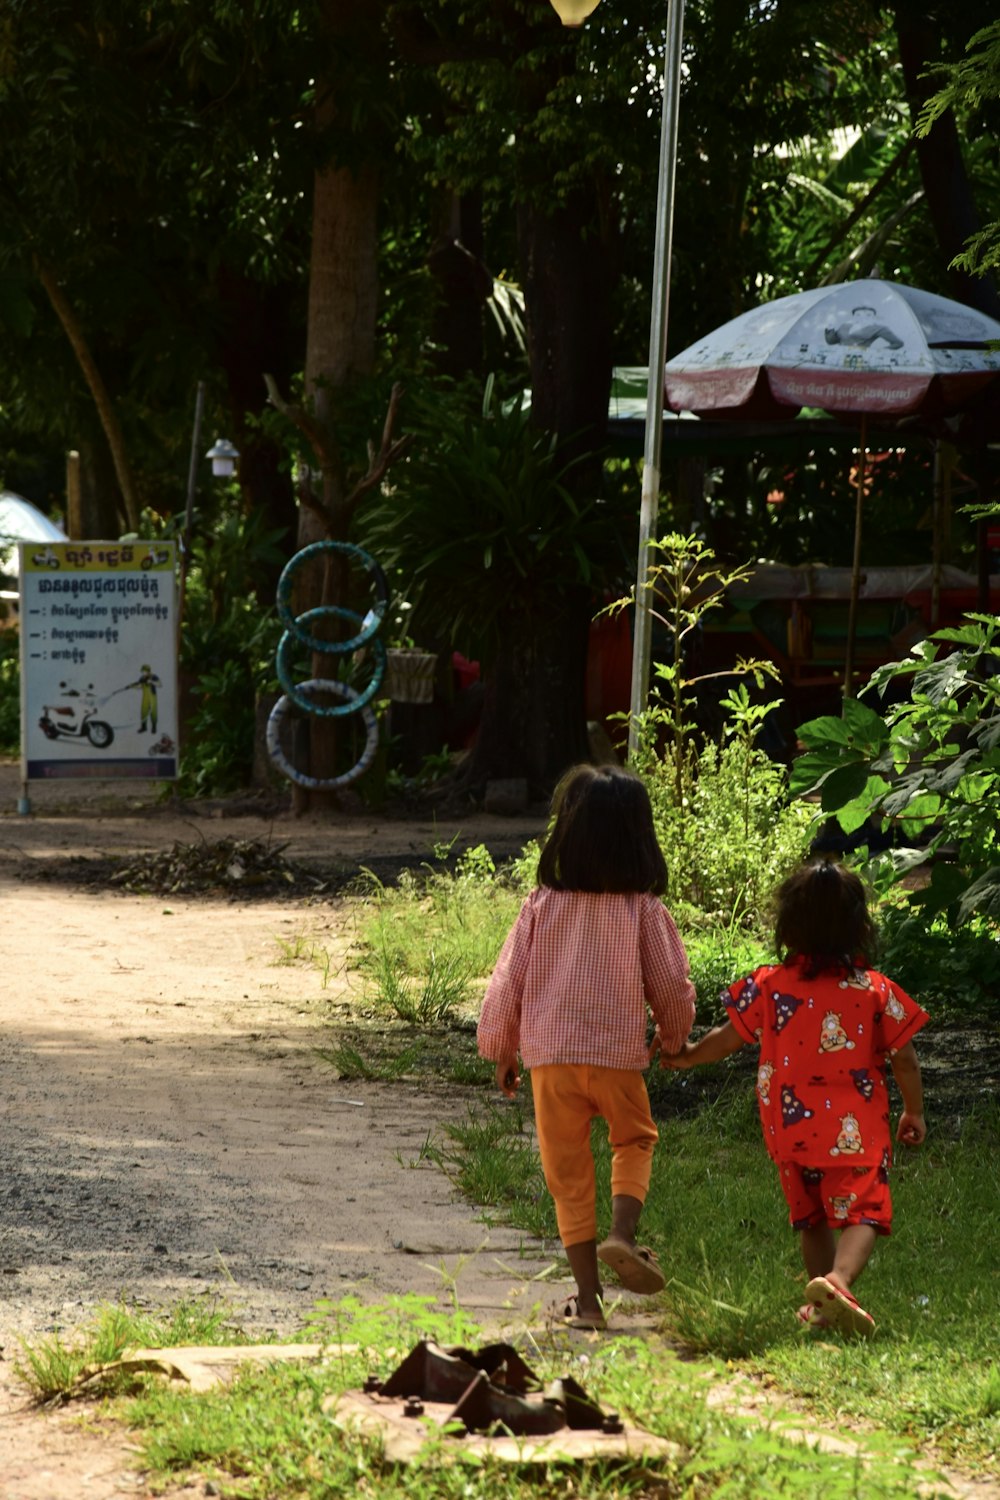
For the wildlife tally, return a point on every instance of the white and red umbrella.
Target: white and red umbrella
(866, 347)
(863, 348)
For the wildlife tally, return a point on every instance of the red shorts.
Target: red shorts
(838, 1196)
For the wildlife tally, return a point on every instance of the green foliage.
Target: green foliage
(10, 692)
(719, 956)
(678, 592)
(454, 923)
(972, 83)
(491, 1156)
(228, 638)
(722, 811)
(55, 1366)
(928, 767)
(731, 838)
(350, 1063)
(952, 979)
(443, 989)
(480, 521)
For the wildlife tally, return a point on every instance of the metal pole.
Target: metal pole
(852, 608)
(199, 410)
(657, 358)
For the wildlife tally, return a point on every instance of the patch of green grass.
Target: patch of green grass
(440, 990)
(52, 1367)
(717, 1218)
(458, 919)
(276, 1431)
(384, 1067)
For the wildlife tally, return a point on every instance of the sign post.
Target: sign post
(98, 661)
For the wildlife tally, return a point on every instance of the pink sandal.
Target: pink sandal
(842, 1310)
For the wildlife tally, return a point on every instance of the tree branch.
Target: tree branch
(73, 329)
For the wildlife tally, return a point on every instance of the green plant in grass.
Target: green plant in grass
(54, 1366)
(733, 833)
(455, 923)
(351, 1063)
(426, 1001)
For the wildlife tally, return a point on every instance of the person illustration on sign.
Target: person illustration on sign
(860, 331)
(148, 706)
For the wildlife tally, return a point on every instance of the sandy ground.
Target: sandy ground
(169, 1129)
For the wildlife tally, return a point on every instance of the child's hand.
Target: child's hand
(911, 1130)
(508, 1078)
(678, 1060)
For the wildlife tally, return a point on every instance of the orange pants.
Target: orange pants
(567, 1097)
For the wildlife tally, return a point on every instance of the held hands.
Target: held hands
(673, 1060)
(508, 1078)
(911, 1130)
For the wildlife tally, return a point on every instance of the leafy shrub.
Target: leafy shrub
(228, 640)
(948, 978)
(733, 836)
(927, 770)
(717, 958)
(10, 693)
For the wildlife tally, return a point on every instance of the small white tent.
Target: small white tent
(20, 521)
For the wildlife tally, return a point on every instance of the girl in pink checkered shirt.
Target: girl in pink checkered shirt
(592, 953)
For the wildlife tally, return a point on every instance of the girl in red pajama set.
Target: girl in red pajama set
(827, 1027)
(592, 948)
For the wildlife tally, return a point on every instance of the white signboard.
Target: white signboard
(98, 660)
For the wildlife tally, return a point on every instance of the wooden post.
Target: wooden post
(75, 529)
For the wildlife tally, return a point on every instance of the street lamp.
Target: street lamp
(574, 13)
(223, 456)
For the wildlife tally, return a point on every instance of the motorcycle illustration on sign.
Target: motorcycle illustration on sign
(75, 717)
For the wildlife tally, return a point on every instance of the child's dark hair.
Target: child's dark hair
(822, 913)
(602, 837)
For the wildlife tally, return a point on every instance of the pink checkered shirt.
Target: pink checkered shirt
(575, 977)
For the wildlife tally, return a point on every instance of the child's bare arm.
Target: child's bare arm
(712, 1047)
(912, 1127)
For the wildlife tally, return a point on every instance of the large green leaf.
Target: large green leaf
(809, 771)
(852, 815)
(983, 896)
(844, 785)
(946, 885)
(823, 731)
(920, 814)
(864, 724)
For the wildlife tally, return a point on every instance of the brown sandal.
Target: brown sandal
(636, 1266)
(567, 1312)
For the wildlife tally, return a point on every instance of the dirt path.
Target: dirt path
(169, 1129)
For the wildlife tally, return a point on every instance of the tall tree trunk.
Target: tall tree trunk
(534, 720)
(463, 283)
(340, 342)
(942, 168)
(567, 276)
(534, 717)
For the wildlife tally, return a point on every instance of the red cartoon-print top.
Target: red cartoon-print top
(824, 1044)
